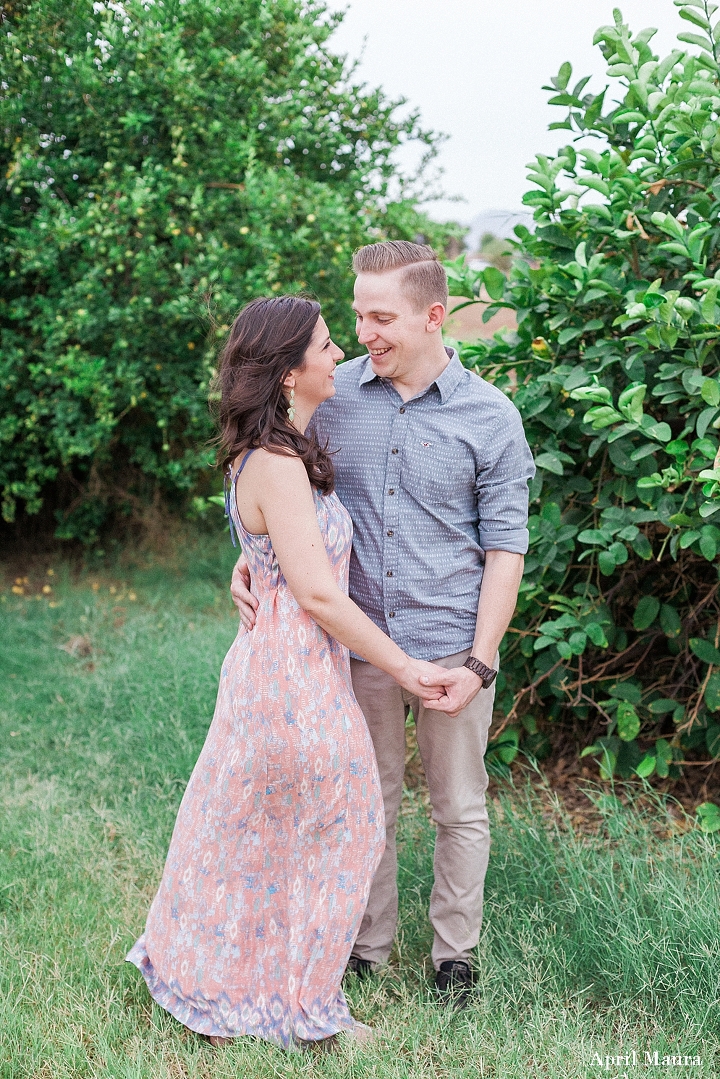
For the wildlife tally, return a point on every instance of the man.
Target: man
(433, 465)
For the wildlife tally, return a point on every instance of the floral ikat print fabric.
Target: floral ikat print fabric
(279, 832)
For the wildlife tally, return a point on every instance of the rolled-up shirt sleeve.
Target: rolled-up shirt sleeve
(502, 484)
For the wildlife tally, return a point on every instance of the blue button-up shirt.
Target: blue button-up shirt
(431, 484)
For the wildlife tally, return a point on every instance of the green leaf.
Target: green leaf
(626, 691)
(620, 71)
(593, 535)
(565, 99)
(710, 392)
(712, 740)
(709, 300)
(670, 621)
(494, 282)
(628, 721)
(619, 552)
(631, 400)
(641, 546)
(708, 817)
(695, 39)
(596, 634)
(708, 547)
(663, 758)
(564, 649)
(696, 18)
(705, 446)
(577, 642)
(629, 116)
(606, 562)
(646, 612)
(542, 642)
(704, 420)
(590, 749)
(705, 651)
(569, 334)
(660, 431)
(602, 416)
(646, 767)
(593, 392)
(551, 512)
(669, 225)
(504, 748)
(661, 706)
(712, 692)
(550, 463)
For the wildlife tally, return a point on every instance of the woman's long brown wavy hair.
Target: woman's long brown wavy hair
(268, 339)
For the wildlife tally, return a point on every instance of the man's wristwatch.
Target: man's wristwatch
(486, 674)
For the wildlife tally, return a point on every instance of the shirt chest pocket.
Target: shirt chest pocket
(437, 473)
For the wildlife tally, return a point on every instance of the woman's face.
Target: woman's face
(315, 381)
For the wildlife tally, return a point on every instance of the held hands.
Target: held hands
(426, 681)
(242, 597)
(459, 687)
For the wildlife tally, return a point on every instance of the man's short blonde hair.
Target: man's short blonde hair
(424, 278)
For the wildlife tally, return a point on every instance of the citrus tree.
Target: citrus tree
(164, 161)
(614, 368)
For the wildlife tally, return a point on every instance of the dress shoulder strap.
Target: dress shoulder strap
(229, 489)
(243, 463)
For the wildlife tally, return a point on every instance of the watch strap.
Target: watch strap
(486, 674)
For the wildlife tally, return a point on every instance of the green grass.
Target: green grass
(592, 944)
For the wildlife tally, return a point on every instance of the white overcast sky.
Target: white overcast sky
(475, 69)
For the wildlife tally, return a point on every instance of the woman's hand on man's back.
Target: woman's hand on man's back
(242, 597)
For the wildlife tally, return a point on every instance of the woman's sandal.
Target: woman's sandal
(217, 1042)
(361, 1034)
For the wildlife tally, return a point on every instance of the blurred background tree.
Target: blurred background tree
(165, 162)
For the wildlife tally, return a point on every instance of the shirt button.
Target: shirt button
(402, 410)
(391, 614)
(391, 491)
(390, 532)
(393, 451)
(389, 573)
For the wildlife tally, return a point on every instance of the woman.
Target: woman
(281, 826)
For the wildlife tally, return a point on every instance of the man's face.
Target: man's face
(388, 324)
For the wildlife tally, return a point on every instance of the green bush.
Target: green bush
(615, 370)
(164, 163)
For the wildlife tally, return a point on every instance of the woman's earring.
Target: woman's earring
(291, 409)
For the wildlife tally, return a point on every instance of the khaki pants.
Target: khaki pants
(452, 753)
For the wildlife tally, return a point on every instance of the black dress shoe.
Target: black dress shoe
(360, 967)
(454, 983)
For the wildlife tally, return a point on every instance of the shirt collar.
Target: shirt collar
(446, 381)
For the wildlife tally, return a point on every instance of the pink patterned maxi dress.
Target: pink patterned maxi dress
(279, 832)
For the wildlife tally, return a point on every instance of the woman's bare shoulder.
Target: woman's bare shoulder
(273, 467)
